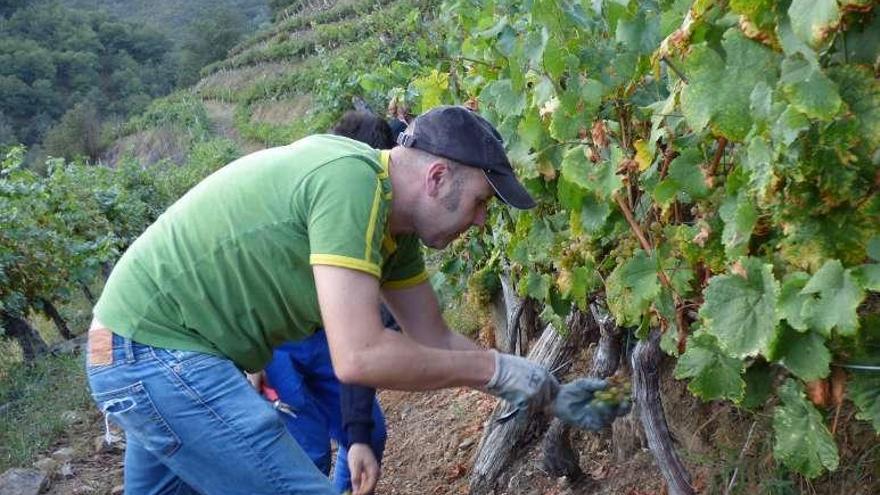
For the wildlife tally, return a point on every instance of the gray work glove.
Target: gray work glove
(574, 405)
(521, 382)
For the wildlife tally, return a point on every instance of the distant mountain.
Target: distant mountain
(172, 17)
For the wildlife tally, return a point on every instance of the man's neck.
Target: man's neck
(400, 220)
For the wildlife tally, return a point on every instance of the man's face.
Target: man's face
(453, 201)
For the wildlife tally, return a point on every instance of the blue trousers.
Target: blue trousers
(302, 374)
(193, 424)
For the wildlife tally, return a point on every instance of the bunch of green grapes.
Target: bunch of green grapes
(618, 392)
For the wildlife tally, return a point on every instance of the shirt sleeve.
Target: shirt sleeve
(346, 216)
(406, 267)
(357, 413)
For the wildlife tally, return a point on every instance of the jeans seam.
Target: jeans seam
(271, 474)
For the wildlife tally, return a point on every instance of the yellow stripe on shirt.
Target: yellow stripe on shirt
(407, 282)
(345, 262)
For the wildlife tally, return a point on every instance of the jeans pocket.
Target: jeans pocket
(132, 408)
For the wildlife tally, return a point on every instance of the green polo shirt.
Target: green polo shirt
(227, 268)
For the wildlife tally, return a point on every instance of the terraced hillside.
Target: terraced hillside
(298, 76)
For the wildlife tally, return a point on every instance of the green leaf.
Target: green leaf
(565, 126)
(501, 95)
(869, 276)
(759, 162)
(593, 213)
(640, 34)
(760, 12)
(685, 170)
(802, 353)
(789, 126)
(759, 385)
(813, 20)
(599, 178)
(808, 89)
(719, 90)
(534, 45)
(583, 282)
(861, 92)
(741, 310)
(864, 391)
(803, 443)
(631, 288)
(835, 297)
(792, 302)
(554, 58)
(666, 191)
(874, 248)
(531, 129)
(740, 218)
(713, 374)
(536, 285)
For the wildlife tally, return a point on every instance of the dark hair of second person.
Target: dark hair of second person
(366, 128)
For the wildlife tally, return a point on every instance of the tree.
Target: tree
(208, 40)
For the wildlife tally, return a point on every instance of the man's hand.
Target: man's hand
(521, 382)
(575, 405)
(364, 469)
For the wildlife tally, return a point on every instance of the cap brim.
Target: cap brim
(509, 190)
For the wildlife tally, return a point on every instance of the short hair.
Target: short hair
(366, 128)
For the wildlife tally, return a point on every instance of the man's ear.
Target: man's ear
(436, 175)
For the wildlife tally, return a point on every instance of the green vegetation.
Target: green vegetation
(37, 401)
(174, 19)
(711, 169)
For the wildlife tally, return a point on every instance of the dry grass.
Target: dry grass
(282, 112)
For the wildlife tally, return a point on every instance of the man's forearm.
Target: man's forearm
(417, 367)
(458, 342)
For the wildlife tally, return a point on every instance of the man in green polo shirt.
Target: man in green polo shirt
(268, 249)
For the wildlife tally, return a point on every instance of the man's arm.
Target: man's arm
(365, 353)
(418, 312)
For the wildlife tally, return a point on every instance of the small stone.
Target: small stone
(467, 443)
(64, 454)
(47, 466)
(72, 417)
(67, 470)
(19, 481)
(117, 490)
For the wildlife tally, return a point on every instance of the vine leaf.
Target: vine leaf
(802, 353)
(861, 91)
(792, 302)
(740, 218)
(835, 296)
(685, 181)
(808, 89)
(741, 310)
(813, 20)
(501, 95)
(720, 89)
(631, 288)
(869, 276)
(600, 178)
(803, 443)
(864, 391)
(713, 374)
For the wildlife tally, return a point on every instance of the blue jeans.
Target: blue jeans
(193, 424)
(302, 374)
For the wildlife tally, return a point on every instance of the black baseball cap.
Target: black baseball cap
(460, 134)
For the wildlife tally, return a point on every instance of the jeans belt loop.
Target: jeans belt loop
(129, 350)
